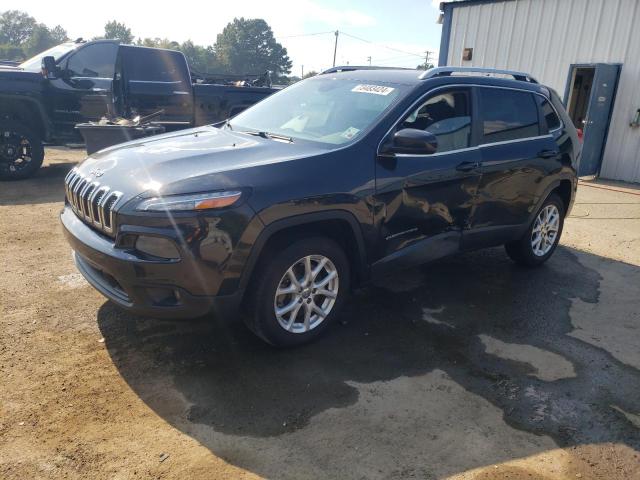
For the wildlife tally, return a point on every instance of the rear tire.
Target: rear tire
(297, 293)
(542, 237)
(21, 151)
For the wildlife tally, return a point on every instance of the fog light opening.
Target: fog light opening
(158, 247)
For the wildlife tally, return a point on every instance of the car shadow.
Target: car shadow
(245, 400)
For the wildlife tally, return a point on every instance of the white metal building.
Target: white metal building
(587, 50)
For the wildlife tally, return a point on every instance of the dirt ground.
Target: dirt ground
(469, 368)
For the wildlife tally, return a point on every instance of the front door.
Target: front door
(427, 199)
(83, 91)
(598, 113)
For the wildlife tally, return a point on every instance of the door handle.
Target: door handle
(548, 153)
(467, 166)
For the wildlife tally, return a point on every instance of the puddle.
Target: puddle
(549, 366)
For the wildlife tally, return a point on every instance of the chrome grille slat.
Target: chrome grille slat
(93, 203)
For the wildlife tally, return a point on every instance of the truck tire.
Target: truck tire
(21, 151)
(300, 292)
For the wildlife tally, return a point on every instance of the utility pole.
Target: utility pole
(369, 59)
(426, 60)
(301, 71)
(335, 48)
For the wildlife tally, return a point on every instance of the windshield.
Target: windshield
(34, 64)
(323, 109)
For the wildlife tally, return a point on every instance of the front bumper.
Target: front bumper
(160, 289)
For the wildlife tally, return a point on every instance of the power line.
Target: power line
(382, 45)
(306, 34)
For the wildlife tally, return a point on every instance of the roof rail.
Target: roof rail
(447, 71)
(351, 68)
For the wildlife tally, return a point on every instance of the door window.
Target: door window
(96, 60)
(507, 115)
(155, 65)
(446, 115)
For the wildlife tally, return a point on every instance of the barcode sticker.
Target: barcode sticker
(375, 89)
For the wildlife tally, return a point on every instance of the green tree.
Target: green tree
(425, 66)
(309, 74)
(42, 38)
(118, 31)
(158, 43)
(201, 59)
(11, 52)
(59, 34)
(248, 46)
(16, 27)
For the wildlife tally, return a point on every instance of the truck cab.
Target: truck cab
(44, 98)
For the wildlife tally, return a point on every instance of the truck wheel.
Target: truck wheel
(21, 151)
(299, 293)
(541, 239)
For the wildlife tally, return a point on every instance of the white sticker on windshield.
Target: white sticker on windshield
(350, 132)
(375, 89)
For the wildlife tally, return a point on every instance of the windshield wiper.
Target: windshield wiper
(272, 136)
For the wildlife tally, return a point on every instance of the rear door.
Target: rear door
(427, 199)
(517, 154)
(154, 79)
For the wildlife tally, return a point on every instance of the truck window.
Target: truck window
(96, 60)
(154, 65)
(508, 115)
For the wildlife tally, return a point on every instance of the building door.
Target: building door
(589, 97)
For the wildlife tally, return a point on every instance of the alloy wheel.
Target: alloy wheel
(545, 230)
(306, 294)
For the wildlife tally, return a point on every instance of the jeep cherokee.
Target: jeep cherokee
(280, 211)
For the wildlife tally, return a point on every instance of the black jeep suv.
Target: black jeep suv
(277, 213)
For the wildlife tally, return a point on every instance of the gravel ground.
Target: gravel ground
(469, 368)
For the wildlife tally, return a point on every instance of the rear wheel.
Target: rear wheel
(299, 292)
(21, 151)
(541, 239)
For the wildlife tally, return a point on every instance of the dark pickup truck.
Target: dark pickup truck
(42, 99)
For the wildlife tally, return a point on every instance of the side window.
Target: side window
(507, 115)
(448, 116)
(155, 65)
(550, 115)
(97, 60)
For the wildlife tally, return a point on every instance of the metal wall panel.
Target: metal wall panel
(544, 37)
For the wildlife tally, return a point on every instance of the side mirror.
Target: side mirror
(49, 67)
(414, 141)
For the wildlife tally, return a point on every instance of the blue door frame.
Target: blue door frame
(601, 103)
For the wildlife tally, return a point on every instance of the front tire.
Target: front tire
(21, 151)
(541, 239)
(298, 292)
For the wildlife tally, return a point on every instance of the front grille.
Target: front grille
(92, 203)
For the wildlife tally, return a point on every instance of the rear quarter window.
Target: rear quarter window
(549, 114)
(507, 115)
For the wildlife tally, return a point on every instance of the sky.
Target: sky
(391, 32)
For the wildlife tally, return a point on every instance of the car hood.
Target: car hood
(185, 161)
(8, 72)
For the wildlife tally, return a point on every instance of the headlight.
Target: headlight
(198, 201)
